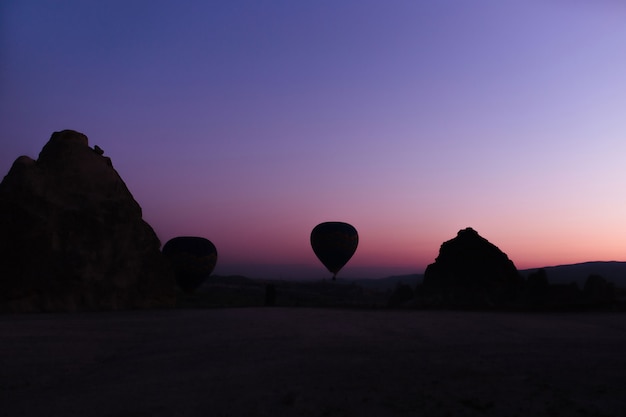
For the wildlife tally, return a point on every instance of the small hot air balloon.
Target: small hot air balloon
(193, 259)
(334, 243)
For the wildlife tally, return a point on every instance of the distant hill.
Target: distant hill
(612, 271)
(241, 291)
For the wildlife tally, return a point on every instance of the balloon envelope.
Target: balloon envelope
(334, 243)
(193, 259)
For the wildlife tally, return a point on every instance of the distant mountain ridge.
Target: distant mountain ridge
(612, 271)
(399, 291)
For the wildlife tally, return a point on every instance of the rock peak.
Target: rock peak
(69, 136)
(468, 231)
(73, 237)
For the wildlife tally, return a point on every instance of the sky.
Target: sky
(250, 122)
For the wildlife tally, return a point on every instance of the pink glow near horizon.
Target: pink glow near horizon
(249, 124)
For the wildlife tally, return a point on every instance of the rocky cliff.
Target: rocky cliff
(72, 235)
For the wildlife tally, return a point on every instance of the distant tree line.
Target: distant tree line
(535, 293)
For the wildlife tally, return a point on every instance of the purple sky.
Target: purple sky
(249, 122)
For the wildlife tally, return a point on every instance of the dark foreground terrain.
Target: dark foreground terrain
(312, 362)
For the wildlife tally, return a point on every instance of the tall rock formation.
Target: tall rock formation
(72, 236)
(472, 272)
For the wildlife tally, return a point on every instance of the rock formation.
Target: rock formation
(471, 272)
(72, 235)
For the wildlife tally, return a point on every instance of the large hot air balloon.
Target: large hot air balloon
(334, 243)
(193, 259)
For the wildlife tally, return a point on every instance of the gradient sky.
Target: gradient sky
(249, 122)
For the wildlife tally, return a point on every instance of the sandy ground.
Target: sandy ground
(312, 362)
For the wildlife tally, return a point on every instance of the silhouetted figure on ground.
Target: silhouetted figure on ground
(270, 295)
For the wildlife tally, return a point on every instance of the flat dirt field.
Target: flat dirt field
(312, 362)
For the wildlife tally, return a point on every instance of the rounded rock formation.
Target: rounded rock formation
(471, 272)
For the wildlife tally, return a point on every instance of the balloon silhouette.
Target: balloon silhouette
(334, 243)
(193, 259)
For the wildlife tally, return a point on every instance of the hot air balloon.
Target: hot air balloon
(193, 259)
(334, 243)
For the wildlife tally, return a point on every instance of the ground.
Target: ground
(312, 362)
